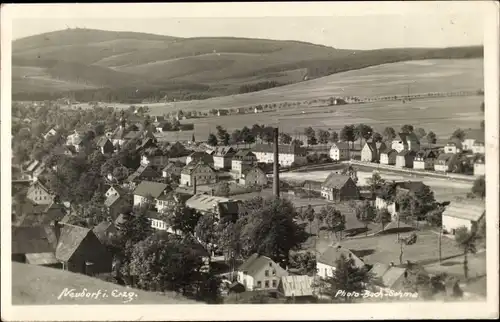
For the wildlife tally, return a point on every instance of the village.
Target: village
(102, 192)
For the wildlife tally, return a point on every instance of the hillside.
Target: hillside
(38, 285)
(85, 59)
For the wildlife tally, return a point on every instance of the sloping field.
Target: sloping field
(37, 285)
(389, 79)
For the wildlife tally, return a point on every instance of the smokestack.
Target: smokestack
(276, 181)
(194, 185)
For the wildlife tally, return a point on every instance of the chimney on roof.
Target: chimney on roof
(276, 183)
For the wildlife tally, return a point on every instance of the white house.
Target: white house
(459, 214)
(471, 137)
(242, 161)
(260, 273)
(147, 189)
(445, 162)
(406, 141)
(479, 167)
(287, 154)
(478, 147)
(453, 147)
(339, 151)
(327, 262)
(50, 133)
(223, 156)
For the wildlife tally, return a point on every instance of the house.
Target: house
(424, 160)
(199, 156)
(254, 176)
(105, 145)
(149, 189)
(453, 147)
(163, 127)
(50, 133)
(156, 161)
(406, 141)
(405, 159)
(327, 262)
(144, 172)
(371, 151)
(170, 199)
(222, 157)
(258, 109)
(339, 187)
(260, 273)
(35, 169)
(401, 187)
(176, 149)
(296, 286)
(478, 147)
(479, 167)
(388, 156)
(219, 206)
(445, 162)
(242, 161)
(114, 204)
(461, 213)
(72, 248)
(105, 230)
(39, 194)
(118, 136)
(114, 190)
(158, 119)
(340, 151)
(389, 276)
(75, 140)
(471, 137)
(287, 154)
(172, 171)
(29, 214)
(222, 112)
(201, 172)
(158, 222)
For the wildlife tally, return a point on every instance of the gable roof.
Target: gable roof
(173, 168)
(468, 211)
(405, 153)
(388, 150)
(222, 151)
(202, 202)
(257, 262)
(335, 181)
(103, 228)
(69, 241)
(102, 141)
(282, 149)
(132, 135)
(411, 186)
(117, 188)
(188, 169)
(243, 154)
(297, 285)
(340, 145)
(31, 240)
(392, 275)
(111, 200)
(143, 170)
(447, 157)
(145, 188)
(333, 254)
(254, 168)
(372, 146)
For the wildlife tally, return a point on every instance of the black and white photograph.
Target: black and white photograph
(305, 159)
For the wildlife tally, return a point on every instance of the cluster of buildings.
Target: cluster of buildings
(407, 152)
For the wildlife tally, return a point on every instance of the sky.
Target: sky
(347, 27)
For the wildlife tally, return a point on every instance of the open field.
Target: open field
(38, 285)
(444, 190)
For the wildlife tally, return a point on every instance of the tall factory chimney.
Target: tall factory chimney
(276, 178)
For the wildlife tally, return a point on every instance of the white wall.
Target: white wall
(324, 270)
(441, 167)
(479, 169)
(478, 149)
(451, 149)
(185, 179)
(450, 223)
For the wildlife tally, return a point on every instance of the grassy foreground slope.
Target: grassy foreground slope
(37, 285)
(85, 59)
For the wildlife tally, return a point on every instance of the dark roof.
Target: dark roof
(341, 145)
(132, 135)
(201, 156)
(242, 154)
(102, 141)
(229, 208)
(222, 151)
(333, 253)
(388, 150)
(145, 188)
(447, 157)
(173, 168)
(282, 149)
(111, 200)
(188, 169)
(143, 170)
(411, 186)
(406, 152)
(69, 241)
(335, 180)
(30, 240)
(103, 228)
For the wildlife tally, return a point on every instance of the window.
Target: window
(259, 284)
(266, 284)
(267, 273)
(274, 283)
(274, 272)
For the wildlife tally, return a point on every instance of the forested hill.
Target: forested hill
(131, 67)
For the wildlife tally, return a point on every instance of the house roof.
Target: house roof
(41, 258)
(333, 253)
(31, 240)
(255, 263)
(407, 153)
(222, 151)
(143, 170)
(388, 150)
(282, 149)
(379, 269)
(102, 228)
(188, 169)
(447, 157)
(335, 181)
(392, 275)
(297, 285)
(32, 166)
(372, 146)
(69, 241)
(411, 186)
(242, 154)
(340, 145)
(201, 156)
(111, 200)
(475, 134)
(173, 168)
(120, 220)
(204, 202)
(465, 210)
(102, 141)
(132, 135)
(255, 168)
(456, 142)
(145, 188)
(117, 189)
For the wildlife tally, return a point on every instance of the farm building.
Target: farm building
(288, 154)
(406, 141)
(296, 286)
(453, 147)
(405, 158)
(258, 109)
(471, 137)
(222, 112)
(254, 176)
(424, 160)
(339, 151)
(223, 156)
(339, 187)
(479, 166)
(327, 262)
(242, 161)
(388, 156)
(445, 162)
(260, 273)
(200, 171)
(459, 214)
